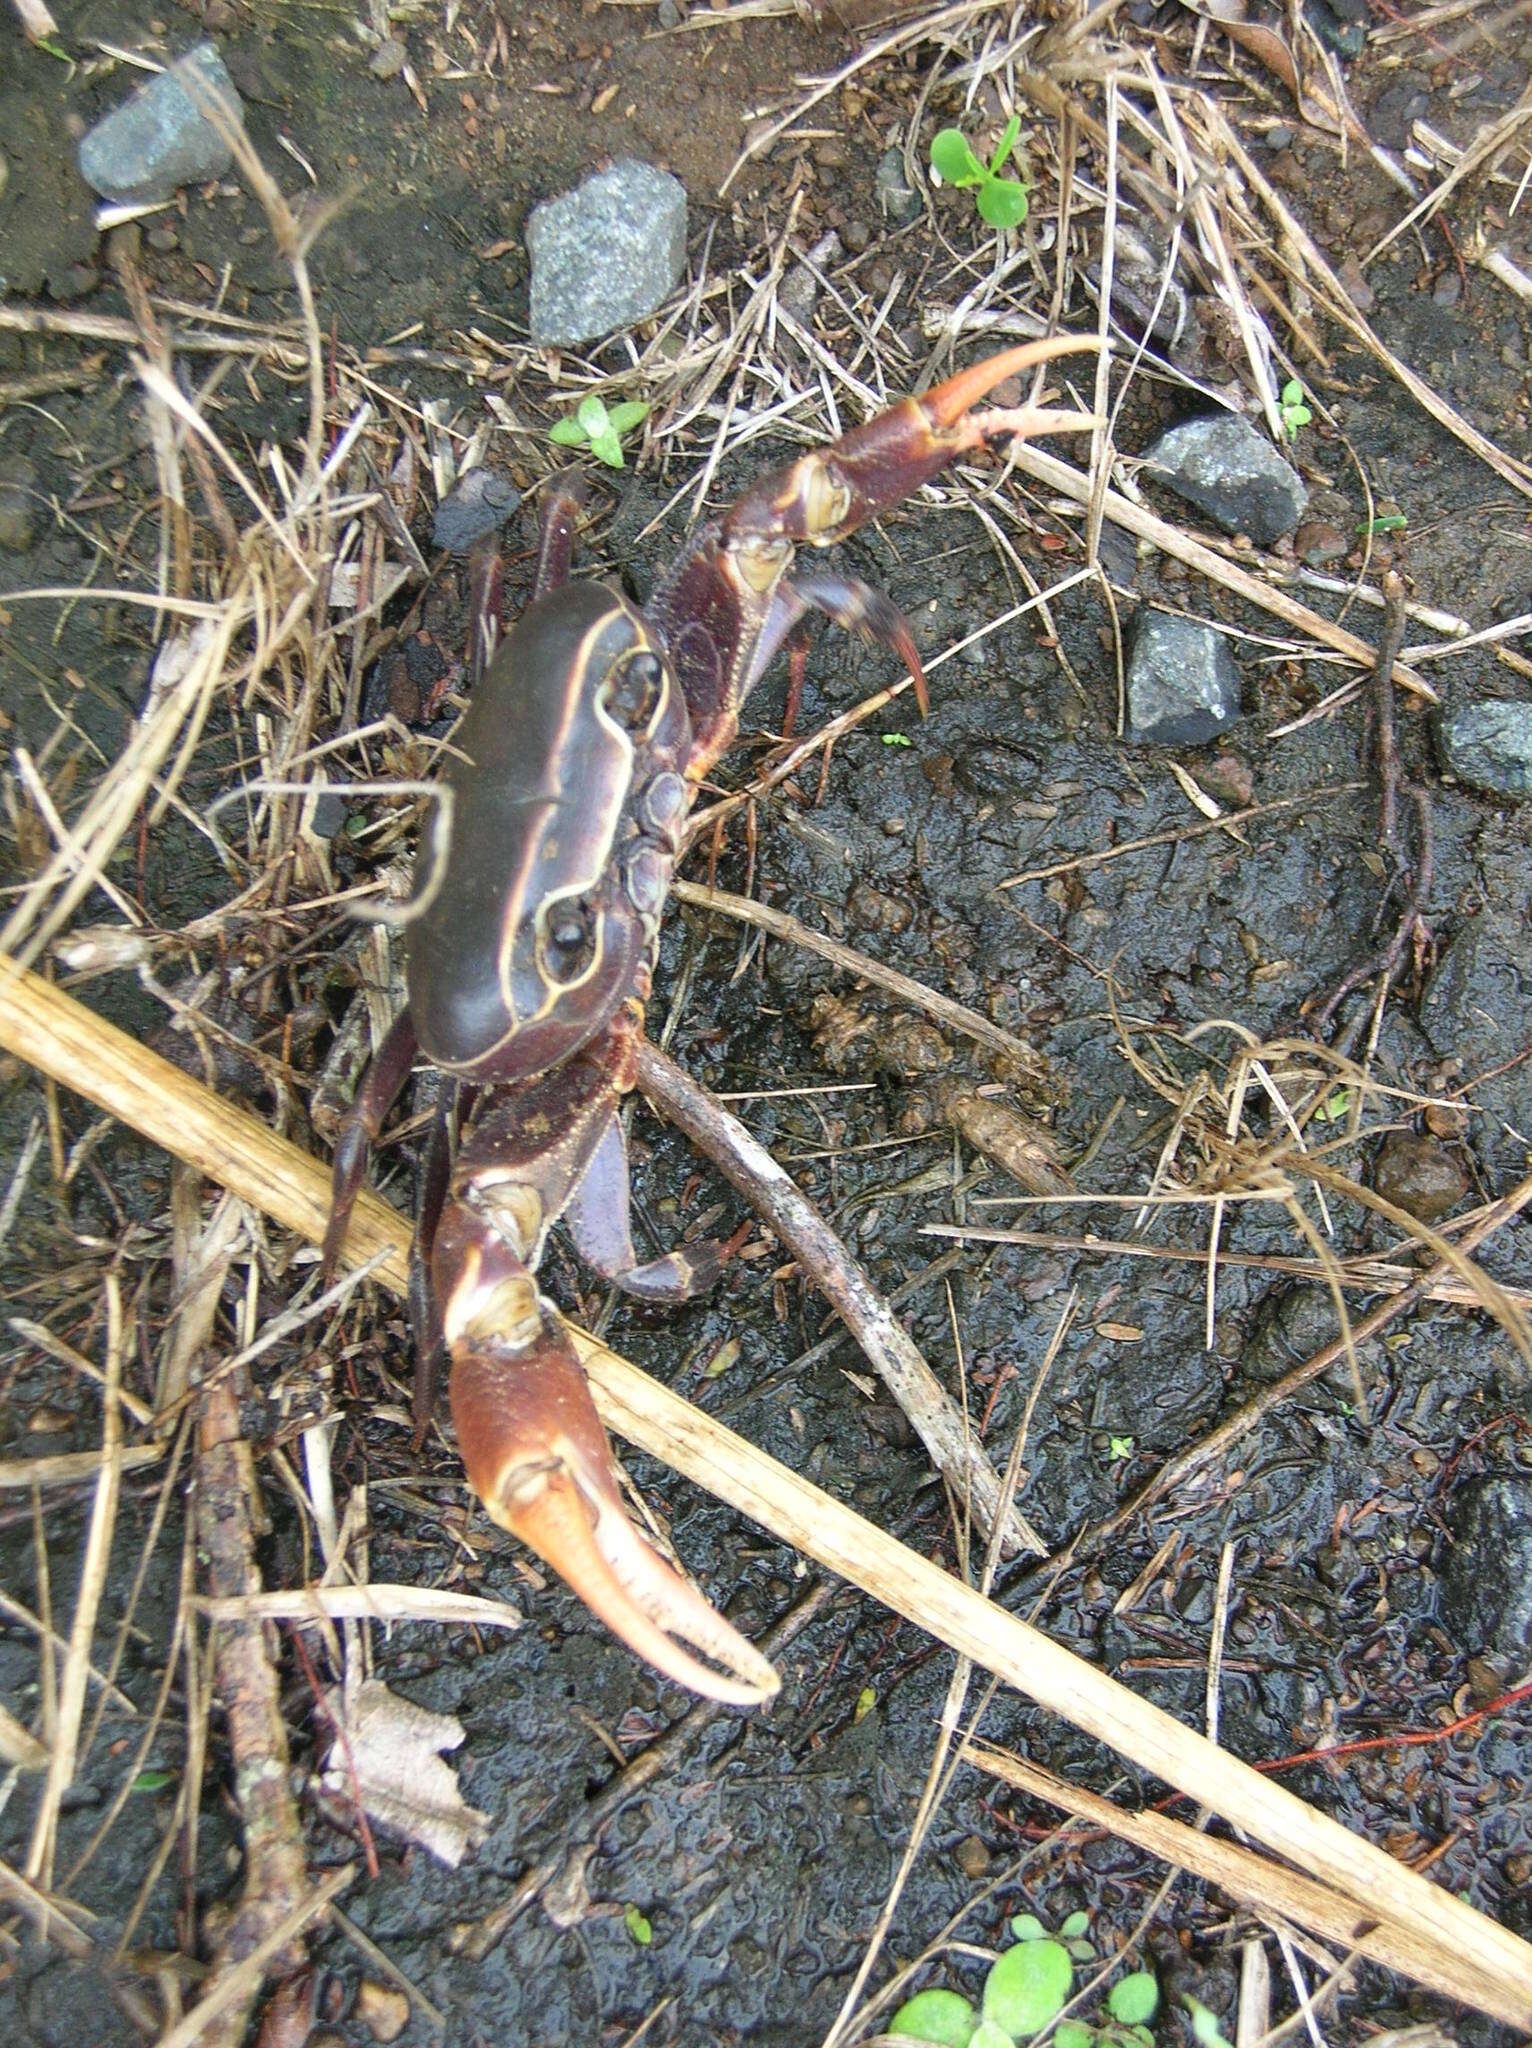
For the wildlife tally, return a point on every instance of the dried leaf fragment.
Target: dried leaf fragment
(390, 1751)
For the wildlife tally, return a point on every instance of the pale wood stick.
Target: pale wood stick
(1467, 1953)
(895, 1356)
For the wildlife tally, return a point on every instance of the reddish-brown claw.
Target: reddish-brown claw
(827, 494)
(537, 1456)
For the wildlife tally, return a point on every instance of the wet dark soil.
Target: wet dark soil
(760, 1861)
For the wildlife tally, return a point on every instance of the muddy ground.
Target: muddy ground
(762, 1857)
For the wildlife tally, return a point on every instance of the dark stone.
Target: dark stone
(1489, 746)
(1233, 473)
(480, 502)
(1317, 543)
(1487, 1577)
(899, 201)
(606, 254)
(160, 139)
(1183, 686)
(1419, 1174)
(1347, 38)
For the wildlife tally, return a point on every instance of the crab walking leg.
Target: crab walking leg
(538, 1458)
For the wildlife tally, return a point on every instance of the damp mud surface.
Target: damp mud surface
(967, 850)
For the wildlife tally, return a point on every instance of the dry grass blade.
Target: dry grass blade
(378, 1600)
(1486, 1966)
(93, 1569)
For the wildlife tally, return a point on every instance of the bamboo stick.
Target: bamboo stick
(1456, 1950)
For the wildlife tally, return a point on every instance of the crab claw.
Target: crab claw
(827, 494)
(537, 1457)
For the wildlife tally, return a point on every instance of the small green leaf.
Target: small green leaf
(1141, 2037)
(1075, 1925)
(866, 1700)
(1292, 392)
(593, 416)
(568, 433)
(607, 448)
(1135, 1999)
(1082, 1951)
(1386, 522)
(1073, 2034)
(1027, 1927)
(1006, 144)
(625, 417)
(942, 2017)
(638, 1927)
(1122, 1446)
(896, 739)
(952, 159)
(53, 49)
(153, 1781)
(1002, 202)
(1027, 1987)
(987, 2035)
(1204, 2022)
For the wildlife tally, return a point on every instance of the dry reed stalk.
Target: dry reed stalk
(1484, 1965)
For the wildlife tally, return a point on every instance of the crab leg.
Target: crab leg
(538, 1458)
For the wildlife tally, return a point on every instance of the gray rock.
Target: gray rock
(1346, 37)
(160, 139)
(18, 504)
(1183, 686)
(1489, 746)
(899, 201)
(1487, 1578)
(479, 503)
(1223, 464)
(669, 13)
(606, 254)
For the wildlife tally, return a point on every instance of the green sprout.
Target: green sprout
(593, 425)
(1121, 1447)
(1386, 522)
(1002, 202)
(1027, 1988)
(639, 1929)
(1294, 408)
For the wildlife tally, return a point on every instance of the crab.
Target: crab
(530, 958)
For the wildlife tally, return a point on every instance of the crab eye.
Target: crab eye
(567, 942)
(634, 690)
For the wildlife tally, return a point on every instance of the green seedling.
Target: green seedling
(1002, 202)
(1294, 408)
(1386, 522)
(1027, 1988)
(639, 1929)
(1122, 1447)
(599, 428)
